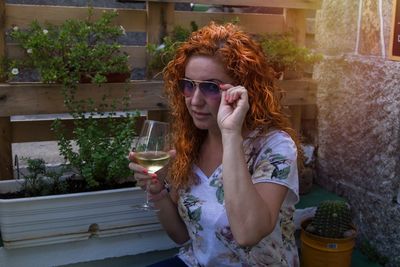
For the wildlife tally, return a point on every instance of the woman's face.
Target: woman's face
(204, 107)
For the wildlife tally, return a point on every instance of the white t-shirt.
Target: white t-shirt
(271, 158)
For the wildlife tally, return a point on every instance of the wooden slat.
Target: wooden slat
(254, 23)
(37, 98)
(158, 115)
(22, 15)
(40, 130)
(299, 92)
(137, 56)
(301, 4)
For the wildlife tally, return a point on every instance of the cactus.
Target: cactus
(332, 219)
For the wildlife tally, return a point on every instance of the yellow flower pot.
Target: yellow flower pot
(317, 251)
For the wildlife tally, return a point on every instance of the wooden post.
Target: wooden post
(6, 169)
(295, 23)
(160, 22)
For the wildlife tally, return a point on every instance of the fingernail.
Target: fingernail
(145, 171)
(154, 176)
(154, 181)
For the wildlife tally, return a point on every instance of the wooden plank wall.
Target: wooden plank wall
(156, 21)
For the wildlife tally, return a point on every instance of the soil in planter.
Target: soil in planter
(69, 186)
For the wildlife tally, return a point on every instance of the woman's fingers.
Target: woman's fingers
(137, 168)
(236, 96)
(148, 181)
(232, 93)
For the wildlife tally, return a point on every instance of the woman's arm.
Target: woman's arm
(170, 219)
(252, 210)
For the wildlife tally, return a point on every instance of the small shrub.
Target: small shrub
(100, 158)
(284, 54)
(40, 181)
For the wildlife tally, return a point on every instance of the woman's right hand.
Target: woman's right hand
(142, 176)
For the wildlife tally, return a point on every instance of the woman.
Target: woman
(233, 183)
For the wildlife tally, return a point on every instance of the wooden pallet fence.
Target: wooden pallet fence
(156, 21)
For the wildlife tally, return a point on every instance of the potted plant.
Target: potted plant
(287, 58)
(328, 238)
(75, 51)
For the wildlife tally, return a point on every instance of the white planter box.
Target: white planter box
(44, 220)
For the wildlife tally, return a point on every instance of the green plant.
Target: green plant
(8, 69)
(160, 55)
(40, 181)
(332, 219)
(284, 54)
(98, 149)
(65, 53)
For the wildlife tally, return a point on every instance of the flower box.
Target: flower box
(34, 221)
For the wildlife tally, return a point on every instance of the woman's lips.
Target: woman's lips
(200, 114)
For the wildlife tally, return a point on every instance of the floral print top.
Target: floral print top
(271, 158)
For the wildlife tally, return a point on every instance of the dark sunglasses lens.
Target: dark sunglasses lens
(209, 89)
(186, 87)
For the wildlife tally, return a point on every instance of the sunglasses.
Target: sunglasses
(207, 88)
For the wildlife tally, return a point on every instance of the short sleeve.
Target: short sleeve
(277, 163)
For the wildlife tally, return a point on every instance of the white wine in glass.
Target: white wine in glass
(152, 160)
(152, 151)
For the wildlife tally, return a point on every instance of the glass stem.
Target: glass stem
(148, 183)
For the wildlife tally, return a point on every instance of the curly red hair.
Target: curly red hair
(246, 63)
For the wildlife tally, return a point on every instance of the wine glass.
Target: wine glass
(152, 151)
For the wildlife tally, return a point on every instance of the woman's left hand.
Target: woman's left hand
(233, 108)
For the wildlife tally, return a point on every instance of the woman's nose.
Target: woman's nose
(197, 97)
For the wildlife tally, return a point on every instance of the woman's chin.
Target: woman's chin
(200, 125)
(205, 124)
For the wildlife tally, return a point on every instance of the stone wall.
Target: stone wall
(359, 117)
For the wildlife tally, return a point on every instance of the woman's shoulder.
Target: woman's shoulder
(272, 138)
